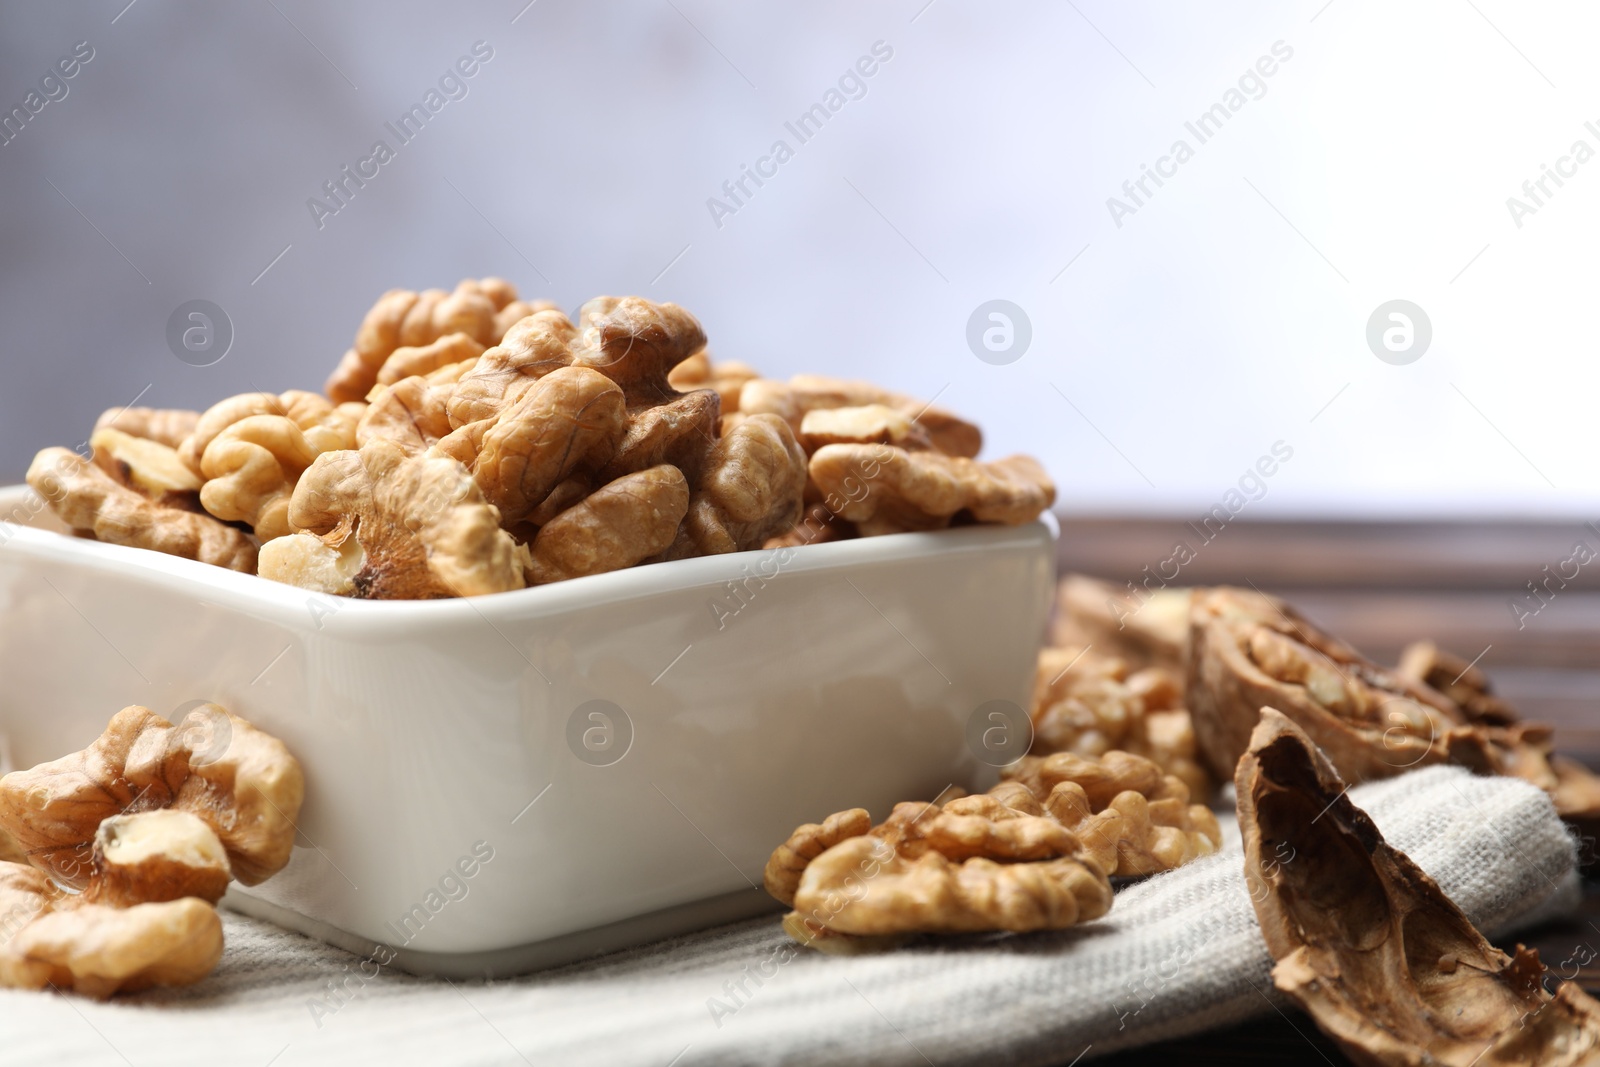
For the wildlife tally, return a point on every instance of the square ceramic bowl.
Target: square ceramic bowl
(507, 782)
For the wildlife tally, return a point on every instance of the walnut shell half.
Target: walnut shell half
(1370, 946)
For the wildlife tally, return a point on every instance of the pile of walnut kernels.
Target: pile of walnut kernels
(112, 859)
(471, 442)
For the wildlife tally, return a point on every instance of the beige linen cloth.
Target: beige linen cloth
(1178, 954)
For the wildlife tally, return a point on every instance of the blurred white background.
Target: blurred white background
(1229, 312)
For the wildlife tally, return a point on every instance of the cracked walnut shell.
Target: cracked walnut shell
(87, 499)
(1249, 651)
(1369, 945)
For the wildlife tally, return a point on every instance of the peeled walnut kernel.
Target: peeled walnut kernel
(402, 318)
(806, 393)
(425, 359)
(165, 426)
(65, 942)
(140, 463)
(239, 781)
(324, 426)
(636, 343)
(618, 525)
(870, 424)
(790, 859)
(532, 348)
(1369, 945)
(1146, 627)
(130, 842)
(251, 469)
(421, 521)
(931, 894)
(726, 378)
(927, 870)
(321, 564)
(410, 413)
(1090, 704)
(569, 420)
(915, 489)
(151, 856)
(1131, 818)
(752, 489)
(87, 499)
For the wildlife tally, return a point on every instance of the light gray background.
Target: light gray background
(1229, 312)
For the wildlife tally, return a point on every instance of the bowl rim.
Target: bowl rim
(250, 592)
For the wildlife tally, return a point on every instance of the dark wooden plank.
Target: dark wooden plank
(1489, 554)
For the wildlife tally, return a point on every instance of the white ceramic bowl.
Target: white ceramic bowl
(741, 695)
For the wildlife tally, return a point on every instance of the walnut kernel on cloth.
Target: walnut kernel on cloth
(239, 781)
(1090, 704)
(973, 864)
(62, 941)
(87, 499)
(129, 843)
(1368, 944)
(1131, 817)
(1033, 853)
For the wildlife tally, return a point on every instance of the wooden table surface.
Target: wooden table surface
(1523, 596)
